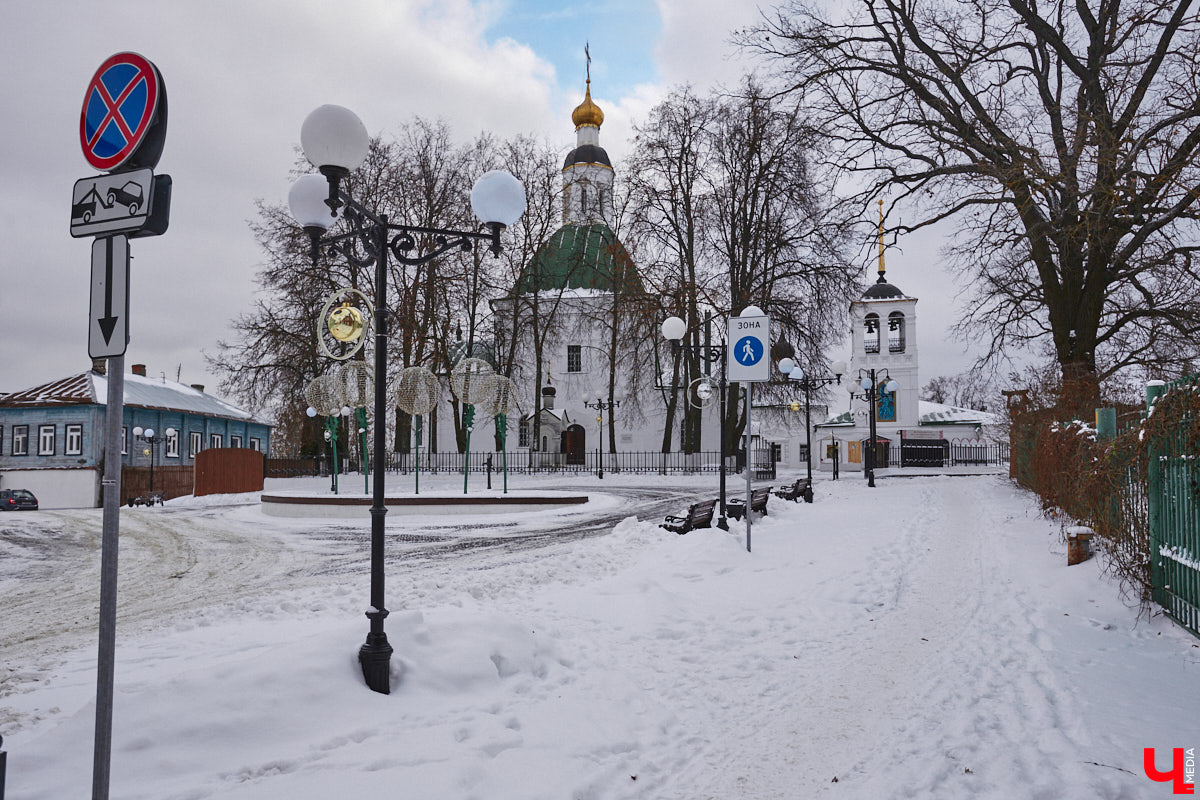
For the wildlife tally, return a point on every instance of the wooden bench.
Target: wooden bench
(699, 515)
(794, 491)
(736, 507)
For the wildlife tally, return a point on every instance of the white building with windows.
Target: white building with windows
(883, 337)
(578, 298)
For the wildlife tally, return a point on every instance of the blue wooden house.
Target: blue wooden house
(51, 436)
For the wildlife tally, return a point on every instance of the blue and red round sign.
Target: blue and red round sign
(124, 117)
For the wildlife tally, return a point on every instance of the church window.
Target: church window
(523, 433)
(871, 334)
(583, 200)
(896, 332)
(574, 358)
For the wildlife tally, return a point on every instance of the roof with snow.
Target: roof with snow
(929, 413)
(90, 388)
(937, 414)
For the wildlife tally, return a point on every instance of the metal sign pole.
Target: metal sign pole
(113, 416)
(749, 456)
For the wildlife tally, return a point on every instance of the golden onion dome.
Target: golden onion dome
(587, 112)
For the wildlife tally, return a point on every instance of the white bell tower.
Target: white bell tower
(884, 336)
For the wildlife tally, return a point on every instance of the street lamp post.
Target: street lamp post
(673, 329)
(601, 405)
(869, 380)
(331, 435)
(335, 141)
(795, 372)
(148, 436)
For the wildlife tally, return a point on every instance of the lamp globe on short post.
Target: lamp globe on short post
(336, 142)
(869, 382)
(673, 329)
(148, 435)
(807, 383)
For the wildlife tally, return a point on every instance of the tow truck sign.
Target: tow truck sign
(115, 203)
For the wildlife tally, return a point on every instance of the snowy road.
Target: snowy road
(924, 639)
(176, 560)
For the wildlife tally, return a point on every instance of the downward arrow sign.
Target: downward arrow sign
(108, 322)
(108, 327)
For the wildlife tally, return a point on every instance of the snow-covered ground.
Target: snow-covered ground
(921, 639)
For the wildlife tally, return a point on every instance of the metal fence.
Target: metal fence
(521, 462)
(947, 453)
(1173, 499)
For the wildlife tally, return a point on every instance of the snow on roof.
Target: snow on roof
(937, 414)
(90, 388)
(841, 419)
(928, 414)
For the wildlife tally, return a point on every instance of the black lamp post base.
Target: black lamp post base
(375, 657)
(723, 523)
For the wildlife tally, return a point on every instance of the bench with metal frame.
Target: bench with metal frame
(794, 491)
(700, 515)
(151, 499)
(736, 506)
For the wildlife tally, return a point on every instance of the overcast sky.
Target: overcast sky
(242, 75)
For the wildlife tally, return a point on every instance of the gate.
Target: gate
(924, 452)
(574, 444)
(1173, 495)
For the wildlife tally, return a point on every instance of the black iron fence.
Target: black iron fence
(908, 453)
(947, 453)
(521, 462)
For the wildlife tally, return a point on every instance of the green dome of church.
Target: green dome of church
(581, 257)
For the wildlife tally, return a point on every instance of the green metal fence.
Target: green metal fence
(1173, 497)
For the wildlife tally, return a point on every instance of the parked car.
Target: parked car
(17, 499)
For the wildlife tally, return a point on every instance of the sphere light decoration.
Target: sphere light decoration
(325, 394)
(500, 397)
(417, 391)
(470, 380)
(358, 383)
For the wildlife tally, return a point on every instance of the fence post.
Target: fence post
(1154, 390)
(1106, 423)
(3, 766)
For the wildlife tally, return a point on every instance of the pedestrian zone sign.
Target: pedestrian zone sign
(749, 346)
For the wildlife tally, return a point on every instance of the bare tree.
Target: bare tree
(1060, 137)
(735, 213)
(671, 153)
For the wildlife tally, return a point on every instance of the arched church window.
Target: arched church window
(583, 200)
(871, 333)
(896, 332)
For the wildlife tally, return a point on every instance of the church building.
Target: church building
(908, 430)
(581, 328)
